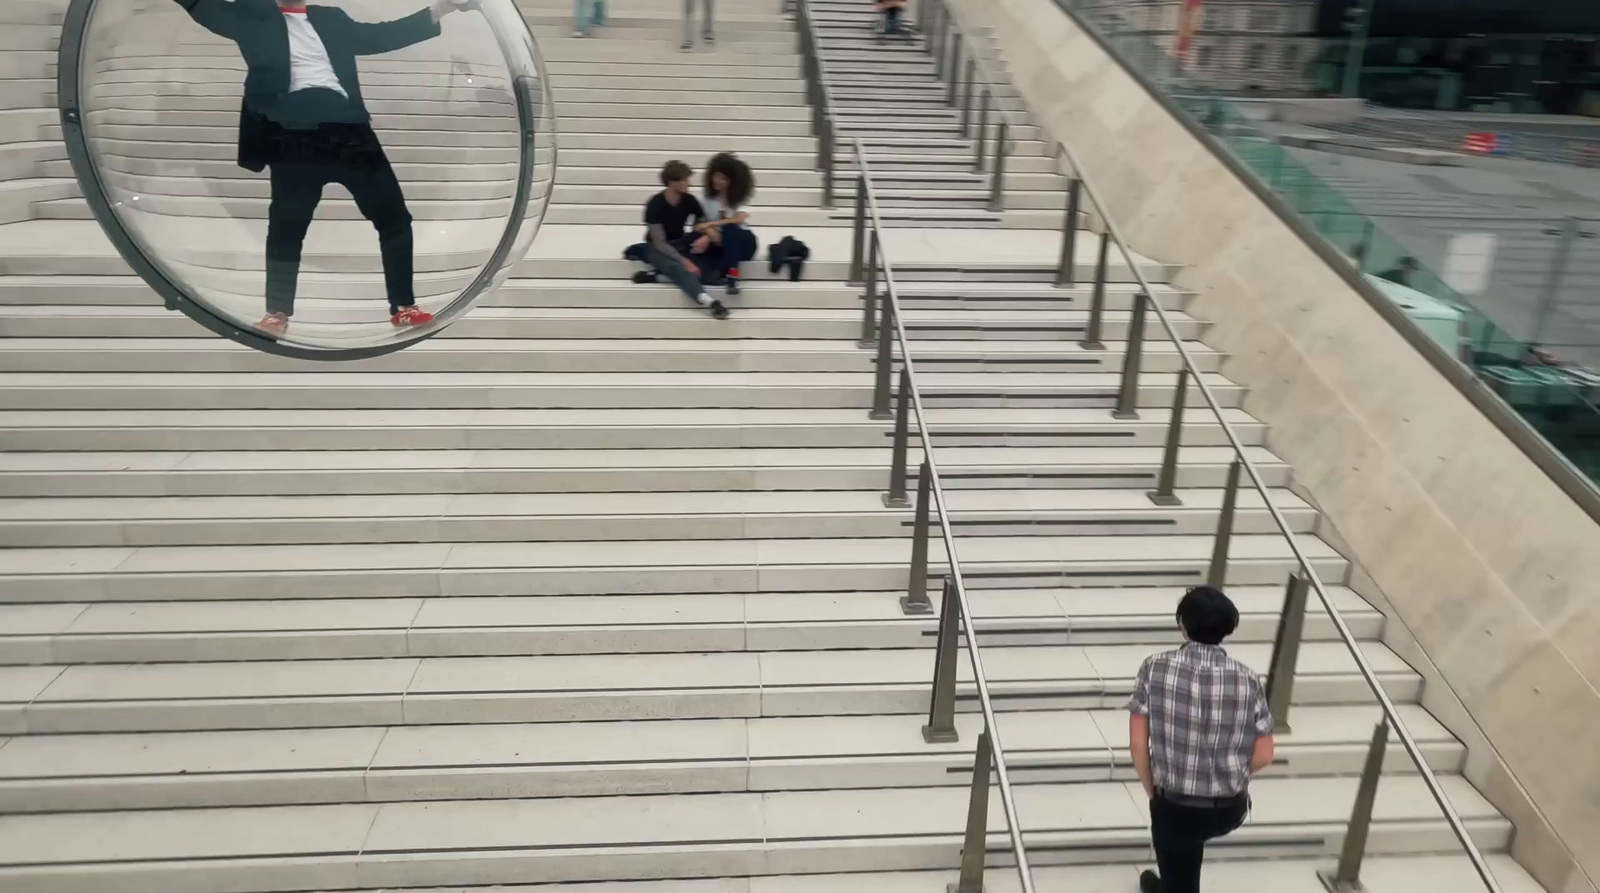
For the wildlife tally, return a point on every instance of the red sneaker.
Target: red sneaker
(411, 316)
(274, 323)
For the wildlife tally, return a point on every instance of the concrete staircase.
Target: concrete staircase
(593, 588)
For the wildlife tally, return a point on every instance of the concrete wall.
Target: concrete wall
(1492, 568)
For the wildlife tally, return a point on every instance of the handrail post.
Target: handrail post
(1346, 878)
(1128, 394)
(983, 132)
(1097, 302)
(976, 842)
(858, 247)
(1217, 574)
(941, 727)
(869, 309)
(966, 105)
(1067, 270)
(885, 362)
(941, 32)
(1164, 494)
(896, 497)
(828, 151)
(915, 601)
(955, 65)
(997, 190)
(1286, 649)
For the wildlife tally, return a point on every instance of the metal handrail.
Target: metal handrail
(1146, 297)
(823, 125)
(873, 230)
(987, 74)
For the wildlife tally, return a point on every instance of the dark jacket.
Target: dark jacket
(257, 27)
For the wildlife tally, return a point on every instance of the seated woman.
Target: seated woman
(893, 14)
(725, 239)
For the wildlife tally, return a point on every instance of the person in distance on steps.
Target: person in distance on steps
(666, 218)
(1199, 728)
(303, 117)
(709, 8)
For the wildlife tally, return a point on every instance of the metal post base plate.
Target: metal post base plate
(1165, 501)
(1125, 416)
(908, 605)
(940, 736)
(880, 416)
(895, 502)
(1092, 345)
(956, 888)
(866, 344)
(1333, 885)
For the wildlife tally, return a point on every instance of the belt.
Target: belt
(1203, 802)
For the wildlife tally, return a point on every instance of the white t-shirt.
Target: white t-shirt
(716, 210)
(309, 65)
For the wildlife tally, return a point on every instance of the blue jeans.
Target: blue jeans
(588, 13)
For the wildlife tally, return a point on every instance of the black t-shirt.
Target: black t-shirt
(673, 219)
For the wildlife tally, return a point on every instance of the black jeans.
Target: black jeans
(304, 162)
(1180, 832)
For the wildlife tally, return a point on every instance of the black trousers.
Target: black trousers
(668, 266)
(1180, 832)
(303, 163)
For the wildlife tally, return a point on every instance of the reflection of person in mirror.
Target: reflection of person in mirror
(304, 118)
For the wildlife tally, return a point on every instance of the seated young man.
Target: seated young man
(666, 219)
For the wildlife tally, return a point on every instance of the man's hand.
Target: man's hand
(442, 8)
(691, 266)
(700, 245)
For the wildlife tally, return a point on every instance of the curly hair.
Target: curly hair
(741, 180)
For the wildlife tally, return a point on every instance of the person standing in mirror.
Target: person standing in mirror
(304, 118)
(1199, 727)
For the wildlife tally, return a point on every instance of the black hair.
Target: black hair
(741, 180)
(1207, 615)
(673, 171)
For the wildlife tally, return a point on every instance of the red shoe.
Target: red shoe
(274, 323)
(411, 316)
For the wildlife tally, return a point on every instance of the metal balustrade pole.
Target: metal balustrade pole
(915, 601)
(885, 362)
(1067, 269)
(975, 844)
(941, 33)
(896, 497)
(971, 90)
(869, 299)
(1164, 493)
(1128, 394)
(983, 132)
(1346, 878)
(997, 190)
(1217, 574)
(1286, 649)
(954, 67)
(858, 247)
(829, 147)
(941, 727)
(1097, 302)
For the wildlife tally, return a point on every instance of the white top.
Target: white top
(715, 210)
(309, 65)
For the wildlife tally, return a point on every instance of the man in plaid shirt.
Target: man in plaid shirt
(1199, 727)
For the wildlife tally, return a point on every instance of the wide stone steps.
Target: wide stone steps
(606, 567)
(305, 693)
(467, 626)
(186, 430)
(511, 517)
(166, 770)
(713, 468)
(372, 846)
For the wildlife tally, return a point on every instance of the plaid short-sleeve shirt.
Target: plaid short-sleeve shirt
(1206, 711)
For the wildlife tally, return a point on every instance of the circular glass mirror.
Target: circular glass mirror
(332, 180)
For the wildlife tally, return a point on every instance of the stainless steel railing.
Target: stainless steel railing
(1346, 877)
(883, 328)
(951, 45)
(818, 95)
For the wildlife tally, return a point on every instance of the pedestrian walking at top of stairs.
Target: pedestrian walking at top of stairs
(707, 29)
(587, 14)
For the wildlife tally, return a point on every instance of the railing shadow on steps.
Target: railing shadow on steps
(883, 329)
(944, 41)
(1345, 877)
